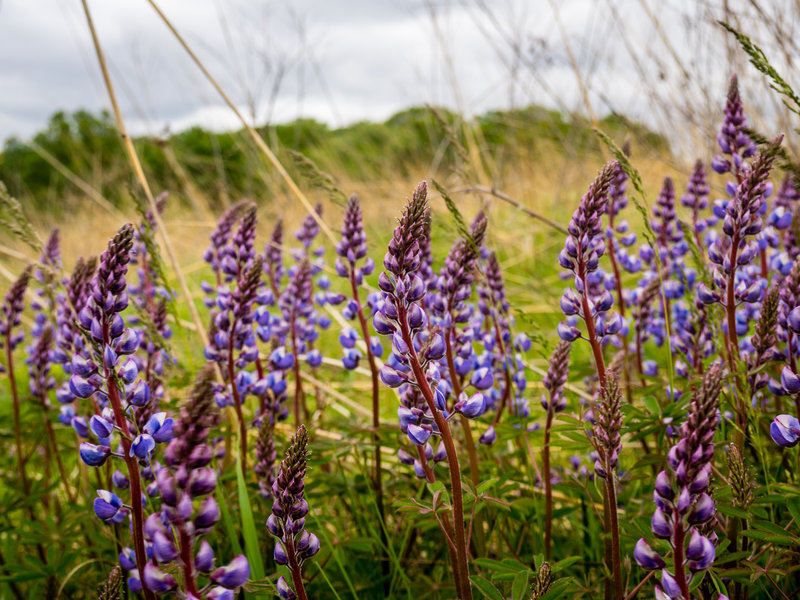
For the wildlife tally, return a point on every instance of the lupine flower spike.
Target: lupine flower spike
(553, 402)
(411, 364)
(608, 443)
(294, 543)
(10, 338)
(112, 587)
(683, 504)
(581, 254)
(107, 376)
(190, 510)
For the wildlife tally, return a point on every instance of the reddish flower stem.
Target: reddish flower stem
(294, 568)
(187, 562)
(462, 573)
(132, 464)
(679, 535)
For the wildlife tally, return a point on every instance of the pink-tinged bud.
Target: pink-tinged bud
(405, 457)
(163, 549)
(232, 575)
(670, 584)
(790, 381)
(418, 435)
(700, 552)
(157, 581)
(284, 591)
(660, 525)
(280, 554)
(204, 559)
(646, 557)
(207, 514)
(568, 333)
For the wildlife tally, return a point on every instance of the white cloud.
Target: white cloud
(343, 62)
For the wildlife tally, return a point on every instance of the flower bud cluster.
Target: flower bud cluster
(696, 198)
(220, 239)
(11, 311)
(294, 543)
(110, 362)
(351, 250)
(402, 316)
(741, 220)
(732, 139)
(683, 504)
(188, 508)
(581, 255)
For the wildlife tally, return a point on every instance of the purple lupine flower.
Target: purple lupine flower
(309, 230)
(556, 377)
(581, 254)
(668, 235)
(553, 402)
(187, 478)
(780, 217)
(496, 338)
(39, 378)
(403, 291)
(353, 246)
(742, 220)
(220, 237)
(351, 250)
(266, 455)
(451, 314)
(696, 198)
(732, 139)
(425, 270)
(100, 373)
(273, 259)
(47, 297)
(287, 522)
(11, 312)
(683, 505)
(146, 290)
(297, 310)
(232, 341)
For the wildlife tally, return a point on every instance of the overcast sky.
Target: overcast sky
(343, 61)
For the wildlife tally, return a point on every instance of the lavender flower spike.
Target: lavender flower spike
(289, 510)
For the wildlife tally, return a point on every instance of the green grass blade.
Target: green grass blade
(251, 548)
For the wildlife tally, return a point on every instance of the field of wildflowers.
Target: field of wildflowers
(353, 419)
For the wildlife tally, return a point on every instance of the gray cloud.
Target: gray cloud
(345, 61)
